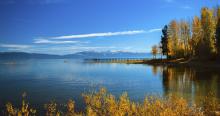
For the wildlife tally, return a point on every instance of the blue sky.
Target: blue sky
(69, 26)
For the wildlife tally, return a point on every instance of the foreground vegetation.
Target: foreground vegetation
(104, 104)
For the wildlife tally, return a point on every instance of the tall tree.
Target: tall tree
(196, 35)
(217, 33)
(184, 42)
(164, 41)
(173, 38)
(208, 26)
(201, 38)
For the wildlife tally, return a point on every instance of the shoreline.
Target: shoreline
(165, 62)
(183, 62)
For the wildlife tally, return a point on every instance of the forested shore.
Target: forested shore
(198, 38)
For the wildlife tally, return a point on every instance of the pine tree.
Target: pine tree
(164, 41)
(217, 33)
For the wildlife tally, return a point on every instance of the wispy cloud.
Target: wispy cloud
(59, 44)
(46, 41)
(106, 34)
(92, 35)
(15, 46)
(154, 30)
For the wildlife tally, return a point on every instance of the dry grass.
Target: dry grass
(24, 110)
(105, 104)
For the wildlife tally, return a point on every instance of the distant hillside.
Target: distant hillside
(79, 55)
(108, 54)
(23, 55)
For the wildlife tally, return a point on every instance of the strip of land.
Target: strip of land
(162, 62)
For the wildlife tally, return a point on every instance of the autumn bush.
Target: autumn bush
(24, 110)
(103, 103)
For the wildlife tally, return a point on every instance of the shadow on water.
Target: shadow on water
(192, 83)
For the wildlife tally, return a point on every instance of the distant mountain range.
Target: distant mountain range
(78, 55)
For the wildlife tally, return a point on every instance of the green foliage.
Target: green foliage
(164, 40)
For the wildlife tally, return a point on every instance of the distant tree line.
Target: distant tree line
(199, 38)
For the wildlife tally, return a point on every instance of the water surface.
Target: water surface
(61, 79)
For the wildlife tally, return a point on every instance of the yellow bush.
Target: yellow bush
(105, 104)
(25, 110)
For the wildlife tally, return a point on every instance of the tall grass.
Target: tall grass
(105, 104)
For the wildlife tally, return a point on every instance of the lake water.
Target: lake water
(59, 79)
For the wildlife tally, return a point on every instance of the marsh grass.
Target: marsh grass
(103, 103)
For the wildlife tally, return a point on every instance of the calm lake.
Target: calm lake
(59, 79)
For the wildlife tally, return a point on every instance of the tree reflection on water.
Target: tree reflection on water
(192, 83)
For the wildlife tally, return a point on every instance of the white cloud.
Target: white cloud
(15, 46)
(106, 34)
(45, 41)
(92, 35)
(154, 30)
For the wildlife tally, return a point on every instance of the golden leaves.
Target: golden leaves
(105, 104)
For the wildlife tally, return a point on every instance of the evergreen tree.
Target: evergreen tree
(164, 41)
(218, 31)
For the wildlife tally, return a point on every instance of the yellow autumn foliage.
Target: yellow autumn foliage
(105, 104)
